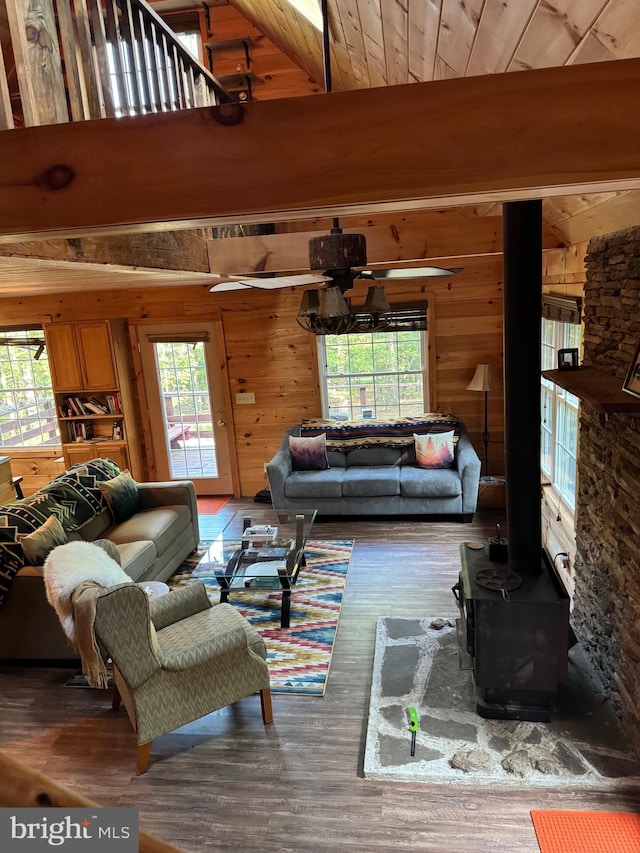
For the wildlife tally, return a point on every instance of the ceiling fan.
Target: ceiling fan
(341, 259)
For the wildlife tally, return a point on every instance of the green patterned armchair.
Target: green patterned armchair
(176, 658)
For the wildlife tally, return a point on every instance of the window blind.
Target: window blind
(563, 309)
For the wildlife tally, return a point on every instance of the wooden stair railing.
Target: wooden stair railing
(87, 59)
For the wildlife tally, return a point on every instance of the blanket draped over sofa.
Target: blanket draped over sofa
(372, 469)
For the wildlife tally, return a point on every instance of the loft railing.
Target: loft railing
(83, 59)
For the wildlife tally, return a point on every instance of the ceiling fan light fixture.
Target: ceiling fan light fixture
(337, 251)
(376, 301)
(333, 303)
(310, 304)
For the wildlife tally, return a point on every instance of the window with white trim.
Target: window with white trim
(373, 374)
(559, 416)
(27, 405)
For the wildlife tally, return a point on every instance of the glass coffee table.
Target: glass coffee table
(248, 557)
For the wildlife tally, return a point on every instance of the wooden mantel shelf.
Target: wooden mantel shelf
(596, 389)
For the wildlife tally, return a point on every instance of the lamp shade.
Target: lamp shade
(310, 304)
(333, 303)
(484, 379)
(376, 301)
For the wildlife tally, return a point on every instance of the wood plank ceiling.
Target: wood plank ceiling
(391, 42)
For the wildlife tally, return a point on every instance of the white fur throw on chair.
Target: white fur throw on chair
(70, 565)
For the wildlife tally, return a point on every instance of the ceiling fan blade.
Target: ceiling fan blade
(410, 272)
(270, 283)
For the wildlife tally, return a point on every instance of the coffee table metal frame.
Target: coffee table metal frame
(246, 568)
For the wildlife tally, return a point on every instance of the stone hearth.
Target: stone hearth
(417, 663)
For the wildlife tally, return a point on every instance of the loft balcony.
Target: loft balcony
(73, 60)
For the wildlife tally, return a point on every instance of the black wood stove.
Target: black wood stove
(515, 614)
(517, 635)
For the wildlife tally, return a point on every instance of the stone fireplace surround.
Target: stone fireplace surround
(606, 615)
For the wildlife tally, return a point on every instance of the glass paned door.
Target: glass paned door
(186, 410)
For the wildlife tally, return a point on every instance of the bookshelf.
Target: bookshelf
(93, 388)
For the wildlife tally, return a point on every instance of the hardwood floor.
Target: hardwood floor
(227, 782)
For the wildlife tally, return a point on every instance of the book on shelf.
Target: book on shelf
(80, 431)
(100, 405)
(113, 403)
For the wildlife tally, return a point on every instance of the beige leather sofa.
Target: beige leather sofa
(152, 544)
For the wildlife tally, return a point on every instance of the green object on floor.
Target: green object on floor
(414, 725)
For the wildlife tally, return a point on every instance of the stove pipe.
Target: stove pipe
(522, 239)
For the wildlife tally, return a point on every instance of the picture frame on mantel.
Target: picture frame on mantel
(632, 382)
(567, 359)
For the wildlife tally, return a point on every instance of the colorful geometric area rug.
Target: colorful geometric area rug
(298, 657)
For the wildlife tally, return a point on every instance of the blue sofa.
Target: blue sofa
(377, 481)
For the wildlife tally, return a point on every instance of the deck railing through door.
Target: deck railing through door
(71, 60)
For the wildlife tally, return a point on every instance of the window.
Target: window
(373, 375)
(27, 405)
(559, 439)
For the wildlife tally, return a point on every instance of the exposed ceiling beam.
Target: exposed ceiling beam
(463, 141)
(19, 276)
(416, 237)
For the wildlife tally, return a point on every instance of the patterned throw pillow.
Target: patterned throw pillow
(75, 503)
(121, 493)
(88, 475)
(435, 450)
(36, 545)
(308, 454)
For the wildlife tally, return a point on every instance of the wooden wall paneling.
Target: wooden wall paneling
(558, 535)
(346, 31)
(590, 50)
(134, 435)
(458, 27)
(593, 151)
(148, 462)
(37, 467)
(499, 31)
(280, 76)
(390, 238)
(424, 26)
(341, 68)
(373, 39)
(34, 39)
(395, 23)
(280, 365)
(554, 33)
(556, 211)
(303, 34)
(229, 414)
(565, 266)
(612, 213)
(6, 110)
(613, 28)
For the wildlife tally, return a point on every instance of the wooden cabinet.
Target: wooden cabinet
(93, 386)
(85, 451)
(81, 356)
